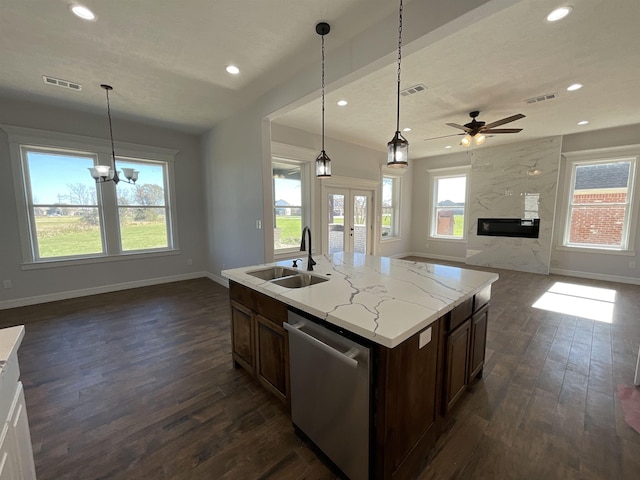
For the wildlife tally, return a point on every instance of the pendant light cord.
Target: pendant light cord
(399, 61)
(322, 93)
(113, 150)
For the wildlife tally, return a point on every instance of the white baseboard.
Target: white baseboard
(23, 302)
(219, 280)
(596, 276)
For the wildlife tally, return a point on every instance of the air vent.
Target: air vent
(542, 98)
(411, 90)
(62, 83)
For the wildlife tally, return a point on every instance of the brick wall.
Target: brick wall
(594, 223)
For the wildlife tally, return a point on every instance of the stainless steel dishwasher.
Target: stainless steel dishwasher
(330, 401)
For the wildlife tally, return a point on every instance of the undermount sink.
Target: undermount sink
(299, 280)
(273, 272)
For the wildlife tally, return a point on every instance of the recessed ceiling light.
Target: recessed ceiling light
(583, 122)
(233, 70)
(559, 13)
(575, 86)
(448, 146)
(82, 12)
(342, 103)
(407, 129)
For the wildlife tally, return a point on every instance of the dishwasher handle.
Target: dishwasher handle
(346, 357)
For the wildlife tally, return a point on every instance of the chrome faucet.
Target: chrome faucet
(310, 261)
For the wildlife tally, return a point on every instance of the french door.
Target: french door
(347, 224)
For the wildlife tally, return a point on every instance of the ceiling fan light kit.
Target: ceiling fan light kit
(398, 147)
(476, 131)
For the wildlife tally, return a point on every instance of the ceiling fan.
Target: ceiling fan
(479, 130)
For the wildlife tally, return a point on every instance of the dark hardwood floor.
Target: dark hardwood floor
(139, 384)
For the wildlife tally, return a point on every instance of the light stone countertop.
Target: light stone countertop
(383, 299)
(10, 339)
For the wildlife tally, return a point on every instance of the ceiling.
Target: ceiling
(166, 64)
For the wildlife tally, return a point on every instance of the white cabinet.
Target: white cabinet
(16, 452)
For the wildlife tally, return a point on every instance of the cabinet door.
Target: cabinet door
(458, 344)
(242, 336)
(478, 342)
(272, 352)
(8, 470)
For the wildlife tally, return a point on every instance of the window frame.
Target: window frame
(444, 173)
(305, 197)
(595, 157)
(396, 189)
(22, 139)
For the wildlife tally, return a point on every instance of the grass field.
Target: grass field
(65, 236)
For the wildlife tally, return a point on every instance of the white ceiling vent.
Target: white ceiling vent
(542, 98)
(411, 90)
(62, 83)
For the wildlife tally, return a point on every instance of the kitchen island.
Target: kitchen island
(424, 323)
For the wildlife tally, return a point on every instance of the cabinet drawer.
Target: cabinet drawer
(459, 314)
(481, 298)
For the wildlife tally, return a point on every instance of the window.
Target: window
(448, 212)
(143, 209)
(65, 215)
(390, 207)
(599, 203)
(288, 210)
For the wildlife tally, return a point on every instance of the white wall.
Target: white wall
(588, 265)
(45, 284)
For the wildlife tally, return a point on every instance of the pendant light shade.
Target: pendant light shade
(109, 173)
(398, 147)
(323, 162)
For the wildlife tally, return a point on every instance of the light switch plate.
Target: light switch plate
(425, 338)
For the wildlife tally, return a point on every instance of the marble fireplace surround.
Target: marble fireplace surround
(513, 181)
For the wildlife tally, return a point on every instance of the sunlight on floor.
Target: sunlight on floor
(587, 302)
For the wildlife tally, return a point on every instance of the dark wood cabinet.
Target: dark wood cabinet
(466, 340)
(408, 392)
(458, 343)
(242, 336)
(259, 342)
(479, 323)
(272, 350)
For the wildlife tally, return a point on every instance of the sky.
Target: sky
(452, 189)
(50, 175)
(288, 190)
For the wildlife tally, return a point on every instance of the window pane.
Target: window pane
(287, 194)
(63, 232)
(77, 187)
(387, 222)
(143, 228)
(65, 213)
(599, 204)
(450, 204)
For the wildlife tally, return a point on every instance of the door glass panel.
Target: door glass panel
(335, 221)
(359, 230)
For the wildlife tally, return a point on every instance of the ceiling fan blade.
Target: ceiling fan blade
(461, 127)
(502, 130)
(444, 136)
(512, 118)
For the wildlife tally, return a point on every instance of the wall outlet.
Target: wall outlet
(632, 264)
(259, 224)
(7, 284)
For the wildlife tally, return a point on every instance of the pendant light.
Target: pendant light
(398, 147)
(323, 162)
(109, 173)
